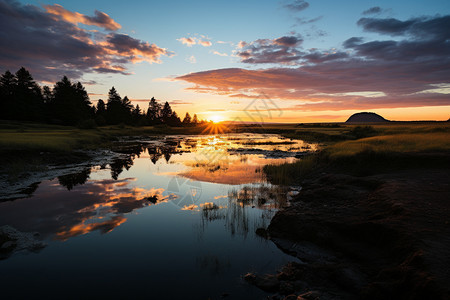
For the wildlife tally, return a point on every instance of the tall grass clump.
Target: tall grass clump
(290, 173)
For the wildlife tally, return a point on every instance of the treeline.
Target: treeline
(22, 99)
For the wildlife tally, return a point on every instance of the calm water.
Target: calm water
(170, 219)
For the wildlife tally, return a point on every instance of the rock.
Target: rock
(8, 246)
(291, 297)
(268, 283)
(312, 295)
(262, 232)
(286, 288)
(14, 240)
(366, 117)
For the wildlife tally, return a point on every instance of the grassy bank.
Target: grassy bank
(28, 147)
(379, 148)
(31, 137)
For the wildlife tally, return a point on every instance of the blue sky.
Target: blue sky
(326, 26)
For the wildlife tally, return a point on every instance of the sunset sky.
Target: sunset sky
(270, 61)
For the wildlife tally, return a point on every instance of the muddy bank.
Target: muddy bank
(374, 237)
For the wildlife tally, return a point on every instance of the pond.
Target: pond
(167, 218)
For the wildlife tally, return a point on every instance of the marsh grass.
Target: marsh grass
(290, 173)
(388, 147)
(392, 144)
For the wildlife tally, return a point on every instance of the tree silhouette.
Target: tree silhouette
(174, 120)
(100, 113)
(113, 107)
(8, 85)
(28, 103)
(21, 98)
(153, 112)
(70, 103)
(166, 113)
(136, 115)
(118, 110)
(195, 119)
(187, 119)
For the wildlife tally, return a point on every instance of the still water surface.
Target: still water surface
(173, 218)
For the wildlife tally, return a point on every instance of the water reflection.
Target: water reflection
(97, 205)
(238, 209)
(71, 180)
(193, 202)
(181, 164)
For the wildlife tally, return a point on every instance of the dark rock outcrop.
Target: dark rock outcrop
(366, 117)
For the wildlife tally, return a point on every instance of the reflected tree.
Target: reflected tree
(71, 180)
(119, 164)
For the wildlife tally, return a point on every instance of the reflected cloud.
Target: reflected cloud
(80, 229)
(97, 205)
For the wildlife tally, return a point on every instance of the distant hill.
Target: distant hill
(366, 117)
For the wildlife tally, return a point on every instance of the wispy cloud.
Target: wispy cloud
(100, 19)
(191, 59)
(220, 54)
(190, 41)
(297, 5)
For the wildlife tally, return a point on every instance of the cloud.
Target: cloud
(99, 19)
(220, 54)
(416, 28)
(372, 10)
(297, 5)
(205, 43)
(281, 50)
(179, 102)
(303, 21)
(191, 59)
(51, 44)
(409, 72)
(189, 41)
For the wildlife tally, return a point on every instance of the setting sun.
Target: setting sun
(217, 119)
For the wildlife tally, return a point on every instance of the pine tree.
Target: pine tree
(8, 85)
(153, 112)
(166, 113)
(114, 107)
(187, 119)
(195, 120)
(28, 102)
(70, 103)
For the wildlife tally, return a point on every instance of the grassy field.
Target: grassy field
(369, 149)
(30, 137)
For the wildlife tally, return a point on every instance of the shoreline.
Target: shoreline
(376, 236)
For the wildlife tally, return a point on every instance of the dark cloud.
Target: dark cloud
(352, 42)
(427, 39)
(372, 10)
(297, 5)
(317, 57)
(265, 51)
(50, 46)
(287, 41)
(284, 50)
(409, 72)
(418, 28)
